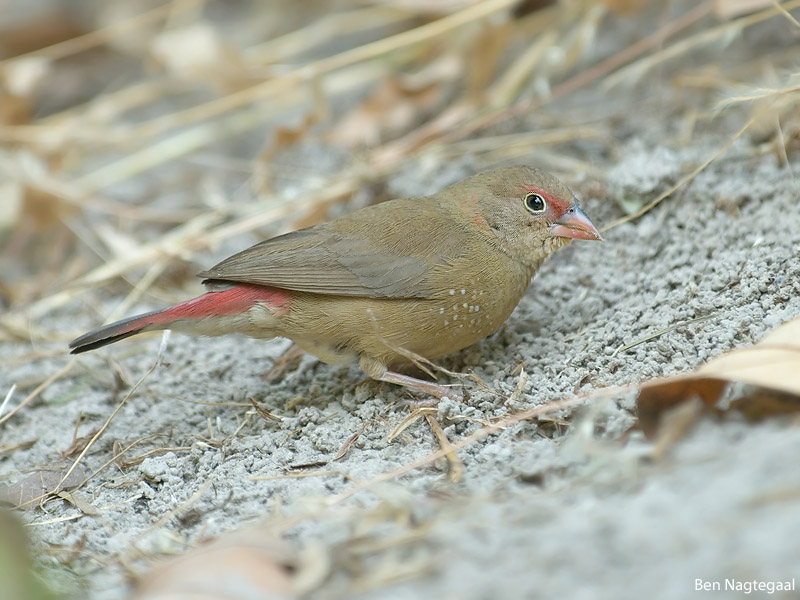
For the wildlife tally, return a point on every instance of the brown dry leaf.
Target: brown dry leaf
(675, 424)
(762, 404)
(255, 561)
(30, 491)
(773, 365)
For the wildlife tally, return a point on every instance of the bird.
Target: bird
(409, 277)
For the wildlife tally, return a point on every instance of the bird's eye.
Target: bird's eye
(535, 203)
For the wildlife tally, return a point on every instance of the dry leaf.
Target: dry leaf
(773, 364)
(249, 563)
(30, 491)
(675, 424)
(765, 403)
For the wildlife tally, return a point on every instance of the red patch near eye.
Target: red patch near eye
(555, 206)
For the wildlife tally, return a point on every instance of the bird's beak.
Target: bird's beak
(575, 224)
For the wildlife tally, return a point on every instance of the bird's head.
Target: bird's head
(527, 211)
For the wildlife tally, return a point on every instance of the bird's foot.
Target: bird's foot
(436, 390)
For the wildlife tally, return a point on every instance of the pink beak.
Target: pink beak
(575, 224)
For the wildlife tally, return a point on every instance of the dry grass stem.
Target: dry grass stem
(635, 70)
(414, 416)
(519, 389)
(456, 467)
(111, 32)
(296, 475)
(582, 78)
(39, 389)
(110, 418)
(7, 399)
(660, 332)
(360, 54)
(687, 178)
(500, 425)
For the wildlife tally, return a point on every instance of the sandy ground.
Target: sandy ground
(569, 505)
(544, 508)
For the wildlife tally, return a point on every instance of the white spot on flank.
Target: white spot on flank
(446, 322)
(455, 318)
(477, 307)
(452, 292)
(441, 311)
(463, 292)
(464, 305)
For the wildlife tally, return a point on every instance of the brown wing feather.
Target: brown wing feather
(385, 251)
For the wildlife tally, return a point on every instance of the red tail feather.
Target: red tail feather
(233, 301)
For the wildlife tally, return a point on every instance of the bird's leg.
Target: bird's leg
(436, 390)
(379, 372)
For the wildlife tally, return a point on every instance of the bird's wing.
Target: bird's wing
(391, 250)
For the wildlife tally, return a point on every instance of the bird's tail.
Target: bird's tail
(213, 313)
(114, 332)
